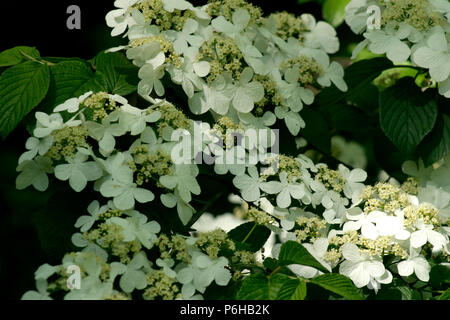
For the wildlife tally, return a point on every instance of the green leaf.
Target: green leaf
(22, 87)
(270, 263)
(436, 145)
(407, 114)
(292, 289)
(445, 295)
(69, 79)
(16, 55)
(119, 73)
(357, 76)
(333, 11)
(254, 287)
(292, 252)
(277, 287)
(65, 59)
(255, 241)
(316, 131)
(440, 277)
(398, 293)
(339, 284)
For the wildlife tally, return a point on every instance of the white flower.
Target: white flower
(444, 88)
(438, 197)
(40, 294)
(140, 28)
(185, 211)
(78, 171)
(135, 275)
(231, 159)
(120, 19)
(392, 226)
(124, 191)
(375, 282)
(321, 35)
(190, 72)
(417, 170)
(137, 227)
(292, 119)
(360, 268)
(249, 184)
(72, 105)
(333, 73)
(167, 265)
(150, 80)
(363, 221)
(417, 264)
(87, 221)
(284, 189)
(36, 146)
(105, 132)
(240, 20)
(187, 37)
(435, 56)
(46, 124)
(147, 54)
(424, 234)
(388, 40)
(293, 93)
(353, 182)
(215, 96)
(34, 172)
(171, 5)
(356, 14)
(183, 179)
(247, 92)
(201, 273)
(136, 119)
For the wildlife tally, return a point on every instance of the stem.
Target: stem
(149, 99)
(248, 234)
(77, 114)
(274, 271)
(36, 60)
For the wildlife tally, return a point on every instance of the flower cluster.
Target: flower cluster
(248, 71)
(118, 244)
(417, 31)
(87, 147)
(388, 231)
(228, 58)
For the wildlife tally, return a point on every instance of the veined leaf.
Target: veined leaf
(407, 114)
(69, 79)
(22, 87)
(255, 236)
(16, 55)
(276, 287)
(339, 284)
(292, 252)
(120, 76)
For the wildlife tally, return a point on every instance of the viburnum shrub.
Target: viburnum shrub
(219, 108)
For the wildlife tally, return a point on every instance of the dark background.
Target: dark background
(30, 220)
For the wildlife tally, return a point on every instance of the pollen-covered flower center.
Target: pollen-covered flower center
(417, 13)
